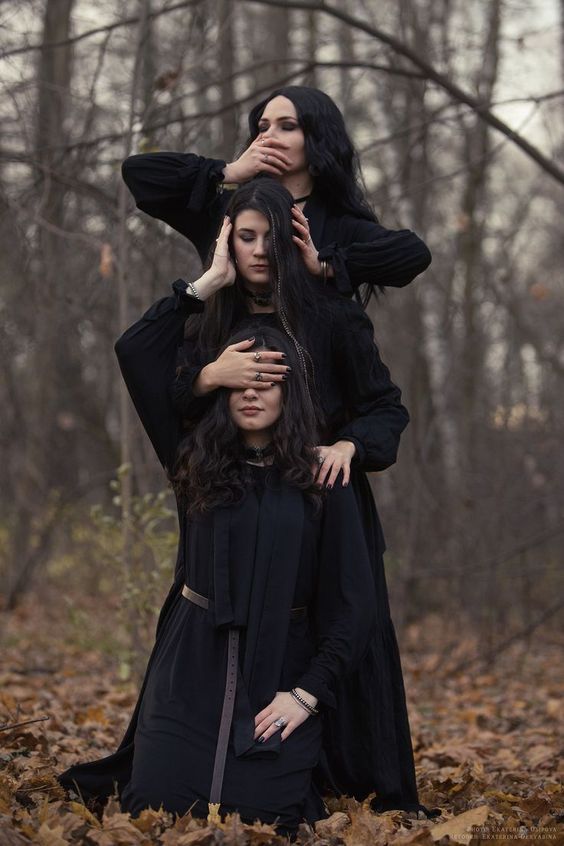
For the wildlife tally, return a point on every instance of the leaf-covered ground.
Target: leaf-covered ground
(487, 744)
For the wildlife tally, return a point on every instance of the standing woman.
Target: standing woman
(297, 135)
(367, 746)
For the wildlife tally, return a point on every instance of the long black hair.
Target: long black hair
(291, 283)
(330, 154)
(209, 469)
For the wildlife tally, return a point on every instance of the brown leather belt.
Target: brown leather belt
(204, 602)
(229, 696)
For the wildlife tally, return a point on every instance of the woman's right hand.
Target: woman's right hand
(221, 273)
(264, 155)
(237, 368)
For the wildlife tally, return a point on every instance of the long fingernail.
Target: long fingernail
(262, 739)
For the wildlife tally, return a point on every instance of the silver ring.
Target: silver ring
(258, 376)
(280, 722)
(257, 356)
(320, 459)
(262, 141)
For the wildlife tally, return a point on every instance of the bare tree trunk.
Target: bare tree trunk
(51, 447)
(229, 123)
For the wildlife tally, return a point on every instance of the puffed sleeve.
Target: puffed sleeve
(181, 189)
(376, 416)
(185, 402)
(147, 354)
(345, 602)
(367, 252)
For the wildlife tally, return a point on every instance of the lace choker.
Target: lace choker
(262, 299)
(256, 453)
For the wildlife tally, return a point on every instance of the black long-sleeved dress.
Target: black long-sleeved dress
(260, 564)
(366, 738)
(184, 190)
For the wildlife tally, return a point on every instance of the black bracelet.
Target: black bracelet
(302, 702)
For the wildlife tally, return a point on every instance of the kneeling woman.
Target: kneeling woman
(277, 604)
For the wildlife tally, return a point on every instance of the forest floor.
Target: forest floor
(487, 744)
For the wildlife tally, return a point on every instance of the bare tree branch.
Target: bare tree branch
(481, 108)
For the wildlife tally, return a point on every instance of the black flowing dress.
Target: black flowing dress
(290, 603)
(366, 738)
(185, 191)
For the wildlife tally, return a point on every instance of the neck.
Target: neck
(298, 184)
(257, 439)
(253, 307)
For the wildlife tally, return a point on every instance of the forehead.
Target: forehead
(252, 219)
(279, 107)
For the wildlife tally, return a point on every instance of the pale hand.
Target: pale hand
(283, 705)
(222, 266)
(264, 155)
(335, 458)
(237, 368)
(304, 242)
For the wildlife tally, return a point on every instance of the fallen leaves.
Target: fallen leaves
(486, 748)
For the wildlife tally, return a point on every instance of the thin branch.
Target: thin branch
(7, 727)
(18, 51)
(482, 109)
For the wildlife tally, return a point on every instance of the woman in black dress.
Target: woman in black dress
(297, 135)
(273, 603)
(363, 420)
(273, 609)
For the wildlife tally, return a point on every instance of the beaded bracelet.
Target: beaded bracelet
(303, 703)
(193, 290)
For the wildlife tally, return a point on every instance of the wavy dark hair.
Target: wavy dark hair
(209, 469)
(292, 286)
(331, 156)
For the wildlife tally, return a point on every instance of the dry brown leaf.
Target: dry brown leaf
(51, 836)
(458, 828)
(334, 824)
(10, 837)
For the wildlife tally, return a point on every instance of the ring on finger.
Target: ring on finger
(257, 356)
(320, 459)
(280, 722)
(258, 376)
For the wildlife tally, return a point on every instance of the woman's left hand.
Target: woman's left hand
(304, 242)
(335, 458)
(283, 705)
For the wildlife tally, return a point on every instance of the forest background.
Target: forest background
(457, 111)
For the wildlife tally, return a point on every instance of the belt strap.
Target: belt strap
(204, 602)
(228, 697)
(226, 716)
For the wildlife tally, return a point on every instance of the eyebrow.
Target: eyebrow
(250, 231)
(287, 117)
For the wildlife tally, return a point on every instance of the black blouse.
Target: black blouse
(185, 191)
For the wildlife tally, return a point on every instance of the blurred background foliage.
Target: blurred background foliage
(473, 511)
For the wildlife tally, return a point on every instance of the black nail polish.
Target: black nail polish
(330, 487)
(289, 369)
(261, 739)
(284, 355)
(273, 384)
(284, 376)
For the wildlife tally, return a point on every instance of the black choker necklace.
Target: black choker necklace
(256, 453)
(301, 199)
(262, 299)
